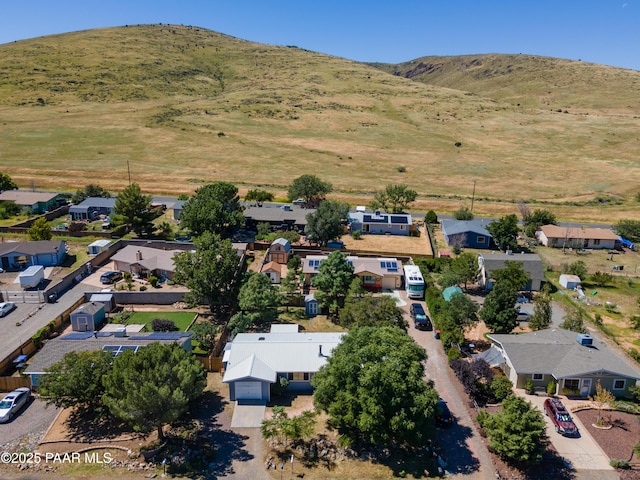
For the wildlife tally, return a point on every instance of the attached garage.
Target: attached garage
(248, 390)
(250, 379)
(389, 283)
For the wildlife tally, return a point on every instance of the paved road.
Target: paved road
(461, 445)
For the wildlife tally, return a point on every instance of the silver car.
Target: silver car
(13, 402)
(6, 308)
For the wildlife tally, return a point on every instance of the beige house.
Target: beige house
(273, 270)
(376, 273)
(576, 237)
(146, 261)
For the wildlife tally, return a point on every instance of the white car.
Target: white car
(13, 402)
(6, 308)
(523, 316)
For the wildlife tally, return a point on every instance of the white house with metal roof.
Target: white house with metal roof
(575, 362)
(253, 361)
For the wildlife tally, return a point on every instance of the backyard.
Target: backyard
(182, 320)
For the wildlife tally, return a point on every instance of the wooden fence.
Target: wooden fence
(211, 363)
(7, 384)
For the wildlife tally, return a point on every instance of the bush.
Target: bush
(356, 234)
(143, 288)
(528, 386)
(454, 354)
(619, 463)
(401, 169)
(127, 276)
(431, 217)
(153, 281)
(501, 387)
(551, 388)
(163, 325)
(280, 386)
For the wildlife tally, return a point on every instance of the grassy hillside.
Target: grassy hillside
(184, 106)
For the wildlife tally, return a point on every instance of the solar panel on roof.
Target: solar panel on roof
(398, 219)
(78, 336)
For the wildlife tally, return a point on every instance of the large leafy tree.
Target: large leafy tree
(368, 311)
(505, 232)
(465, 267)
(517, 433)
(334, 277)
(541, 317)
(135, 210)
(258, 196)
(394, 198)
(214, 208)
(40, 230)
(326, 222)
(374, 391)
(6, 183)
(76, 380)
(536, 219)
(205, 333)
(629, 229)
(461, 311)
(153, 386)
(209, 271)
(91, 190)
(310, 188)
(513, 273)
(498, 312)
(258, 295)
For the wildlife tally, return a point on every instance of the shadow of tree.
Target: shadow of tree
(87, 427)
(452, 444)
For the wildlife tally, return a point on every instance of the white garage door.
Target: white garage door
(389, 283)
(248, 391)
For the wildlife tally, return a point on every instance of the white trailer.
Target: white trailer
(32, 276)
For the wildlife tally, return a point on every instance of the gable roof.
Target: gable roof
(90, 308)
(272, 267)
(556, 351)
(149, 258)
(25, 197)
(250, 367)
(392, 266)
(531, 263)
(380, 217)
(456, 227)
(32, 248)
(96, 202)
(283, 242)
(556, 231)
(273, 214)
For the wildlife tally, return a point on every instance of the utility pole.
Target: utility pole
(473, 196)
(129, 172)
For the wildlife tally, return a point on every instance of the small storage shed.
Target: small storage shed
(107, 299)
(311, 305)
(570, 282)
(32, 276)
(87, 317)
(97, 246)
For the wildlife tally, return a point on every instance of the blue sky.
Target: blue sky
(599, 31)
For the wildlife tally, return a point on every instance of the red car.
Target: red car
(560, 417)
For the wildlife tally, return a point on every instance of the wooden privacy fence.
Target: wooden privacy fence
(8, 384)
(211, 363)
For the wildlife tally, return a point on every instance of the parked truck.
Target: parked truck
(32, 276)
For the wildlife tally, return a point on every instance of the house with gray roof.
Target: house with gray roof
(36, 202)
(575, 362)
(531, 263)
(254, 361)
(291, 216)
(91, 208)
(467, 233)
(115, 342)
(16, 256)
(380, 223)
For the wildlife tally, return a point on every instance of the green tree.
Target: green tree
(153, 386)
(578, 268)
(6, 183)
(602, 279)
(505, 232)
(326, 222)
(209, 272)
(574, 320)
(215, 208)
(356, 289)
(601, 399)
(517, 433)
(541, 317)
(463, 213)
(258, 295)
(513, 273)
(135, 209)
(371, 311)
(310, 188)
(498, 312)
(205, 333)
(333, 280)
(76, 381)
(40, 230)
(290, 287)
(394, 198)
(283, 428)
(466, 268)
(629, 229)
(258, 196)
(373, 388)
(91, 190)
(535, 220)
(431, 218)
(461, 311)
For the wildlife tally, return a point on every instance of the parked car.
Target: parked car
(443, 414)
(13, 402)
(562, 421)
(299, 201)
(522, 299)
(110, 277)
(420, 318)
(6, 308)
(523, 316)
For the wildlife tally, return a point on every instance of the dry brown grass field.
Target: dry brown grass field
(181, 106)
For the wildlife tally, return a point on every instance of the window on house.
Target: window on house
(480, 239)
(538, 376)
(619, 384)
(307, 376)
(596, 241)
(299, 376)
(572, 383)
(368, 279)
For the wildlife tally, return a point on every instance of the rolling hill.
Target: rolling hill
(182, 106)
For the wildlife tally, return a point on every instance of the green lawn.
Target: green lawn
(181, 319)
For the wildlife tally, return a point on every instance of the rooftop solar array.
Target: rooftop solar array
(78, 336)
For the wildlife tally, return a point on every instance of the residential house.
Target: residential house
(576, 237)
(254, 361)
(36, 202)
(531, 263)
(291, 217)
(20, 255)
(87, 317)
(91, 208)
(116, 342)
(177, 208)
(273, 270)
(575, 362)
(146, 261)
(280, 251)
(467, 233)
(381, 223)
(376, 273)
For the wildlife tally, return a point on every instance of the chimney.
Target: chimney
(138, 255)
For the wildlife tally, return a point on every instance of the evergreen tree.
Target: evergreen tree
(215, 208)
(498, 312)
(40, 230)
(135, 209)
(333, 280)
(541, 317)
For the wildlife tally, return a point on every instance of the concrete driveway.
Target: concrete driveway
(248, 414)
